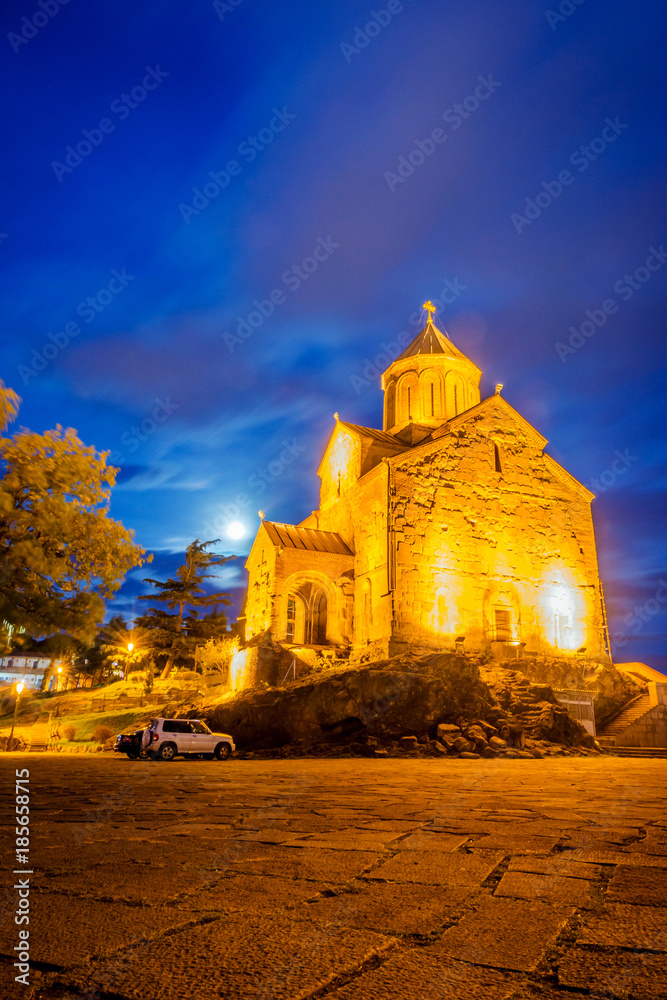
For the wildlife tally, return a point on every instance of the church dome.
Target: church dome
(429, 383)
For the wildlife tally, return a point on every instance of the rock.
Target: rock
(511, 753)
(536, 753)
(488, 752)
(439, 748)
(462, 745)
(446, 729)
(408, 742)
(497, 744)
(476, 733)
(467, 755)
(423, 740)
(380, 753)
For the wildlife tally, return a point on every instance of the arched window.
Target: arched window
(496, 458)
(391, 406)
(409, 407)
(307, 616)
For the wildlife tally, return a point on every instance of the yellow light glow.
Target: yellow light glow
(60, 670)
(130, 647)
(237, 669)
(236, 530)
(19, 687)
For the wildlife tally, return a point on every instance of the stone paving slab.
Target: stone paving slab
(254, 894)
(419, 974)
(505, 933)
(630, 884)
(556, 865)
(439, 868)
(305, 862)
(247, 958)
(423, 840)
(102, 928)
(621, 974)
(390, 908)
(515, 843)
(550, 888)
(625, 926)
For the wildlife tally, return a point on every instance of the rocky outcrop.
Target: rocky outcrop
(611, 688)
(416, 696)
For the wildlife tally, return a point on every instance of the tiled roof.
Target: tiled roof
(430, 341)
(384, 436)
(293, 537)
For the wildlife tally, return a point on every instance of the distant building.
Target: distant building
(27, 667)
(449, 528)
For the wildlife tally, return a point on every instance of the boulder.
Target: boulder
(497, 744)
(446, 729)
(462, 745)
(438, 748)
(468, 755)
(408, 742)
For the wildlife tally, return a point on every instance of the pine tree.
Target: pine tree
(173, 632)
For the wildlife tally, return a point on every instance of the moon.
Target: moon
(236, 530)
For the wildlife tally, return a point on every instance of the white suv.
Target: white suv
(168, 738)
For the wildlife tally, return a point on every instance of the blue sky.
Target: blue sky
(214, 147)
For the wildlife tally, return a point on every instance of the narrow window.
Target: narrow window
(496, 455)
(409, 403)
(503, 624)
(456, 400)
(291, 618)
(391, 406)
(432, 399)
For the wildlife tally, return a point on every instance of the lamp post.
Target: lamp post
(130, 647)
(60, 670)
(19, 688)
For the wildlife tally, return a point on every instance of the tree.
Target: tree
(61, 554)
(116, 640)
(174, 633)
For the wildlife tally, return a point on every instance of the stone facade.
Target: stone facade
(450, 528)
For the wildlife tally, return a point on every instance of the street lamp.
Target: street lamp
(60, 670)
(130, 647)
(19, 688)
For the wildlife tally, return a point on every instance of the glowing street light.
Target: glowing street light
(19, 688)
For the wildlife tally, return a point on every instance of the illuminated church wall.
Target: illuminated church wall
(481, 551)
(449, 523)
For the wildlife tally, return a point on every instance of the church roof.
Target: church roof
(431, 341)
(290, 536)
(371, 432)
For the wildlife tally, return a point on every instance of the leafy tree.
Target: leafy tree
(115, 640)
(61, 554)
(174, 633)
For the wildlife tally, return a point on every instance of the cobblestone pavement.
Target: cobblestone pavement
(353, 879)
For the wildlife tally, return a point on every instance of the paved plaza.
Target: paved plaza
(353, 879)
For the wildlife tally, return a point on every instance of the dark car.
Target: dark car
(130, 744)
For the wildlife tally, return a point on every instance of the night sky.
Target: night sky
(170, 166)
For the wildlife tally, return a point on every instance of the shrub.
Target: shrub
(70, 733)
(101, 734)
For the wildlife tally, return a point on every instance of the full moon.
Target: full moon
(236, 530)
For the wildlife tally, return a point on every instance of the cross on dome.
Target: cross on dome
(430, 308)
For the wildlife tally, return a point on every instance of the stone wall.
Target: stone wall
(470, 539)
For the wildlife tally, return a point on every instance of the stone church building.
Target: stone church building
(450, 528)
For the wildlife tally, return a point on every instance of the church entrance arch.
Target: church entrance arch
(307, 610)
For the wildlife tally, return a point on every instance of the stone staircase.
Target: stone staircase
(610, 734)
(614, 751)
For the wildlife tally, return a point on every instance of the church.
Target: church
(449, 529)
